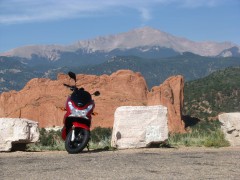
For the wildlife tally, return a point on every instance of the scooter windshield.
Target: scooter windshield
(81, 97)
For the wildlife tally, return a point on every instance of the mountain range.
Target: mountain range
(154, 53)
(142, 39)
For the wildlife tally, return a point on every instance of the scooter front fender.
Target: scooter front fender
(64, 133)
(80, 125)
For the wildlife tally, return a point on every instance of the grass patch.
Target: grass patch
(204, 134)
(52, 140)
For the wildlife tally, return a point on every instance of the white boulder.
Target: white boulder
(139, 126)
(17, 131)
(231, 127)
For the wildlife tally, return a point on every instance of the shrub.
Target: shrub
(98, 134)
(101, 138)
(216, 139)
(48, 140)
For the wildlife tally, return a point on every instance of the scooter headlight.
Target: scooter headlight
(79, 113)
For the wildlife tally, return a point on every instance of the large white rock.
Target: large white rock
(231, 127)
(139, 126)
(17, 131)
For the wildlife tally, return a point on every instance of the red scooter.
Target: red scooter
(77, 120)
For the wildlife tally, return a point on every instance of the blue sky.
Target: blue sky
(27, 22)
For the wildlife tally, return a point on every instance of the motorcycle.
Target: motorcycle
(77, 119)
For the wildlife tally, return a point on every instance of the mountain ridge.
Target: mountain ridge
(14, 74)
(136, 38)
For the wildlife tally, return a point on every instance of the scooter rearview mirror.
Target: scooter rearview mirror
(72, 75)
(97, 93)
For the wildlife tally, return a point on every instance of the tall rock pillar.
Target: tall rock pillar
(170, 94)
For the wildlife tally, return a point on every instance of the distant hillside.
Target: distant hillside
(156, 71)
(15, 73)
(216, 93)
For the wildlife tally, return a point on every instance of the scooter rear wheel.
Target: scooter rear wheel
(80, 141)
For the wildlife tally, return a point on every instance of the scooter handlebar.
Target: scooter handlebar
(71, 87)
(67, 85)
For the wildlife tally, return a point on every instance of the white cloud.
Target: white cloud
(145, 14)
(20, 11)
(201, 3)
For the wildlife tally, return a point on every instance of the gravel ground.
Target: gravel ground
(154, 163)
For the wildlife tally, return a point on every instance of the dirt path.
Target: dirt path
(183, 163)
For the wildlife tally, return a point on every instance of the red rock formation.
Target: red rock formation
(41, 99)
(170, 94)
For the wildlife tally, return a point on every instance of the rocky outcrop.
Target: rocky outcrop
(42, 99)
(170, 94)
(14, 131)
(231, 127)
(139, 126)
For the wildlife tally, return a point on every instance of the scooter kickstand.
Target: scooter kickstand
(88, 147)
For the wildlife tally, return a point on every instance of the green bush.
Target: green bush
(48, 140)
(98, 134)
(216, 139)
(101, 138)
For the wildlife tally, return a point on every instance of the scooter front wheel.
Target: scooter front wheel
(77, 142)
